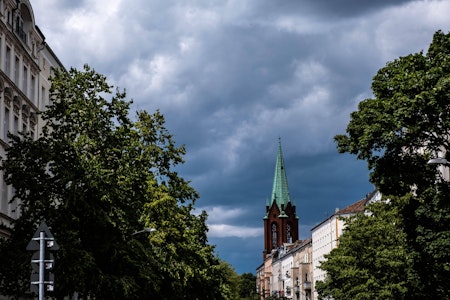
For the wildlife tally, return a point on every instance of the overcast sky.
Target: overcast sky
(233, 76)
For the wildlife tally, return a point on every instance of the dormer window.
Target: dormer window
(22, 22)
(20, 29)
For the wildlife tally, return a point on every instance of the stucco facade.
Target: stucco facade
(26, 63)
(325, 235)
(302, 270)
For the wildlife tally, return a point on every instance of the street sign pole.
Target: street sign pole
(42, 261)
(41, 264)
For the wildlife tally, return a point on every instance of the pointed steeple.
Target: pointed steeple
(280, 221)
(280, 191)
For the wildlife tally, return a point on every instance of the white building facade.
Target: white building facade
(26, 63)
(325, 235)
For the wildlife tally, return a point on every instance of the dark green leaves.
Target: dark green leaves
(96, 176)
(370, 262)
(397, 132)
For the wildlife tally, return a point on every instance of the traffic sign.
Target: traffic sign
(51, 244)
(42, 261)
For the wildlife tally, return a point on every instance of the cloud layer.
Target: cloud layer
(232, 76)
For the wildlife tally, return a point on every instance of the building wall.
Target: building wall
(274, 284)
(263, 278)
(285, 278)
(267, 276)
(325, 236)
(324, 239)
(302, 271)
(26, 62)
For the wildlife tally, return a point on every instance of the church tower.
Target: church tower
(281, 220)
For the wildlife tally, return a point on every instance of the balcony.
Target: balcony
(307, 285)
(21, 34)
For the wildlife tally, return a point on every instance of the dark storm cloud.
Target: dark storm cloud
(325, 8)
(231, 77)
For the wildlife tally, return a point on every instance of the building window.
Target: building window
(16, 71)
(32, 89)
(4, 200)
(6, 124)
(8, 61)
(25, 80)
(43, 98)
(16, 124)
(288, 233)
(274, 236)
(19, 29)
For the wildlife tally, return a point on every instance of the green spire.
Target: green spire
(280, 192)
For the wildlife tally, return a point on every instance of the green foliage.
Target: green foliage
(427, 219)
(232, 280)
(96, 177)
(247, 287)
(406, 123)
(370, 261)
(410, 113)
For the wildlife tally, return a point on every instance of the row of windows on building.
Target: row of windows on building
(21, 73)
(17, 117)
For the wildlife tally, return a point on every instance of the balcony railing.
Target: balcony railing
(22, 34)
(307, 285)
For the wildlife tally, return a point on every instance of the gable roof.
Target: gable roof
(353, 208)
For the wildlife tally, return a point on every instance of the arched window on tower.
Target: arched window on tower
(288, 233)
(274, 236)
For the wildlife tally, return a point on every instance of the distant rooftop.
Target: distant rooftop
(353, 208)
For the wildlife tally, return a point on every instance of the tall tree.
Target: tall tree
(247, 285)
(370, 261)
(396, 132)
(96, 177)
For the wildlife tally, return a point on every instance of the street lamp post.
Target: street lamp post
(145, 230)
(438, 161)
(442, 164)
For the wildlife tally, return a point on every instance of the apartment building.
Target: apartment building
(26, 63)
(325, 235)
(302, 270)
(286, 272)
(263, 278)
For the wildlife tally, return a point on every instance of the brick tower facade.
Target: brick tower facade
(281, 220)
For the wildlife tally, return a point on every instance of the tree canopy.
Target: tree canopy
(397, 132)
(407, 122)
(370, 261)
(96, 176)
